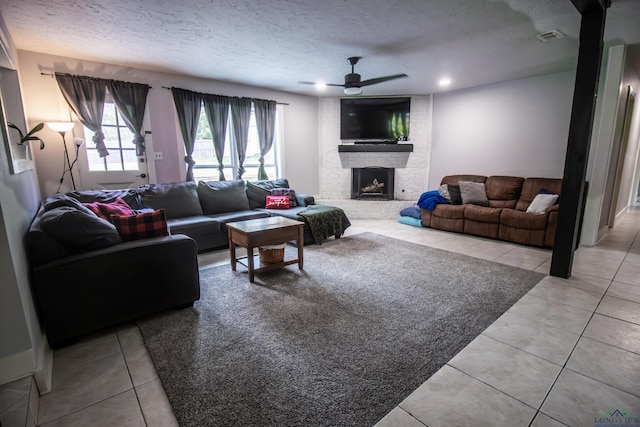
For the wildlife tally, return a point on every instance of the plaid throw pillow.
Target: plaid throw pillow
(105, 210)
(278, 202)
(293, 202)
(142, 225)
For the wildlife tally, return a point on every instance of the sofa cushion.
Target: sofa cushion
(518, 219)
(409, 220)
(178, 199)
(412, 211)
(141, 226)
(545, 191)
(448, 211)
(222, 196)
(482, 214)
(105, 210)
(184, 225)
(473, 193)
(129, 195)
(454, 194)
(503, 191)
(58, 200)
(226, 217)
(305, 200)
(278, 202)
(443, 191)
(541, 203)
(293, 202)
(257, 191)
(78, 230)
(532, 186)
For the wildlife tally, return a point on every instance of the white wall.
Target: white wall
(517, 128)
(601, 138)
(22, 345)
(627, 174)
(44, 102)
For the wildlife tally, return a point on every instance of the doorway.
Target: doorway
(615, 199)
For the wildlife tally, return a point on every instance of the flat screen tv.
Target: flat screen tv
(374, 118)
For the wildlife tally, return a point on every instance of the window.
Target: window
(206, 167)
(118, 140)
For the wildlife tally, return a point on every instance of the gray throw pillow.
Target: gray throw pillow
(473, 193)
(77, 230)
(178, 199)
(222, 196)
(257, 191)
(443, 191)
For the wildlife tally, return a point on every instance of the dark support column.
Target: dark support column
(584, 104)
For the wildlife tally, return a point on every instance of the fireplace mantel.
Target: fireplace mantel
(375, 148)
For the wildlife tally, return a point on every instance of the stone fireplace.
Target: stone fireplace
(339, 158)
(372, 183)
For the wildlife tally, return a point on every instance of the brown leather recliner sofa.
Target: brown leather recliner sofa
(505, 218)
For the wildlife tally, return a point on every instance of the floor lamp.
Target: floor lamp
(62, 128)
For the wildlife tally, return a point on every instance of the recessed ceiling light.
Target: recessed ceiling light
(321, 86)
(445, 81)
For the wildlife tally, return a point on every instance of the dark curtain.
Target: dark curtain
(240, 116)
(85, 96)
(131, 101)
(216, 108)
(265, 112)
(188, 109)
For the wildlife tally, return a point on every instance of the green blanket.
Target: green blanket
(325, 221)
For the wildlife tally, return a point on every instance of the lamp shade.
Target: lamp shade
(352, 90)
(60, 126)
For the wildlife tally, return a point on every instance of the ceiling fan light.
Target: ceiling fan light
(352, 90)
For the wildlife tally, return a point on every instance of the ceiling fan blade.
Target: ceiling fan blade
(315, 83)
(381, 79)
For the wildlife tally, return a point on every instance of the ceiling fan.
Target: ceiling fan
(352, 83)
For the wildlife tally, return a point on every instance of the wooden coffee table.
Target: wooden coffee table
(254, 233)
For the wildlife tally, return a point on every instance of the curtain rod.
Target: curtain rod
(279, 103)
(150, 87)
(53, 75)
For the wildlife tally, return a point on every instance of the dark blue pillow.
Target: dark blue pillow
(412, 211)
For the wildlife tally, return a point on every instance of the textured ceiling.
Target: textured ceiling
(276, 43)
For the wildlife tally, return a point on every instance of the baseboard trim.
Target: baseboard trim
(16, 366)
(601, 233)
(44, 374)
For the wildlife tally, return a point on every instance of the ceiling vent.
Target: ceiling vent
(550, 35)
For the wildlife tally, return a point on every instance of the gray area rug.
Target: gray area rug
(342, 342)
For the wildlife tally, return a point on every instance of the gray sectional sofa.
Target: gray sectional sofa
(85, 277)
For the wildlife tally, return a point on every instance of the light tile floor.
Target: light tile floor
(565, 354)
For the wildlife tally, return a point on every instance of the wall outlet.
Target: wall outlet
(157, 155)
